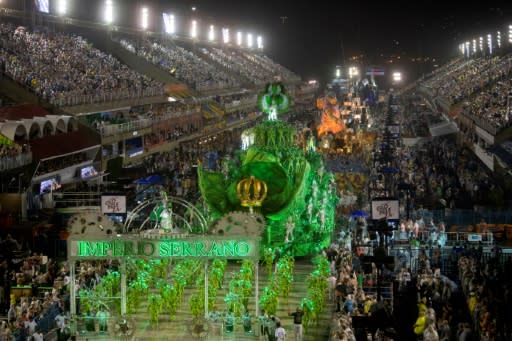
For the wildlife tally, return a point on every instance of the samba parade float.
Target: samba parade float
(275, 182)
(178, 269)
(341, 129)
(346, 143)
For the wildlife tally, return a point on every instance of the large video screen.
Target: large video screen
(88, 172)
(49, 185)
(43, 6)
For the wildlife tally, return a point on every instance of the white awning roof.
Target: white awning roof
(444, 128)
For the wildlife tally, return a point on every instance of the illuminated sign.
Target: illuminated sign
(164, 248)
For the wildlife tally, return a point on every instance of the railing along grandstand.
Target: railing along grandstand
(490, 128)
(113, 129)
(65, 101)
(242, 101)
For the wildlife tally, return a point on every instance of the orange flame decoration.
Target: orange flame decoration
(331, 116)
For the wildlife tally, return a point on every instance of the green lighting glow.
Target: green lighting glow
(165, 248)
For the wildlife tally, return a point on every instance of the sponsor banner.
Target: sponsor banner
(385, 209)
(113, 204)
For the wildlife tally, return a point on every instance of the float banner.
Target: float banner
(164, 248)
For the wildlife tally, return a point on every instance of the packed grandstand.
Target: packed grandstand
(83, 114)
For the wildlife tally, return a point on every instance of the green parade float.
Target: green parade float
(276, 179)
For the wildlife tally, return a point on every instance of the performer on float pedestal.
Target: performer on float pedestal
(290, 226)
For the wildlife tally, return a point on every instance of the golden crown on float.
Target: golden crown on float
(251, 192)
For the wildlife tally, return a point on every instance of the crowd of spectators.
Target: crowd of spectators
(462, 294)
(179, 166)
(492, 104)
(484, 78)
(42, 305)
(442, 175)
(168, 135)
(466, 77)
(61, 162)
(66, 70)
(354, 295)
(195, 69)
(239, 65)
(13, 155)
(273, 67)
(138, 117)
(487, 286)
(237, 99)
(182, 64)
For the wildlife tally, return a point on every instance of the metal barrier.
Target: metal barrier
(243, 101)
(407, 256)
(465, 216)
(452, 238)
(459, 237)
(66, 199)
(114, 129)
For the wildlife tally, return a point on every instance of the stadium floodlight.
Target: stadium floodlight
(498, 39)
(467, 48)
(461, 48)
(489, 43)
(144, 18)
(225, 35)
(259, 42)
(249, 40)
(169, 23)
(211, 33)
(62, 7)
(109, 11)
(338, 73)
(474, 46)
(481, 44)
(397, 77)
(193, 29)
(239, 38)
(510, 34)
